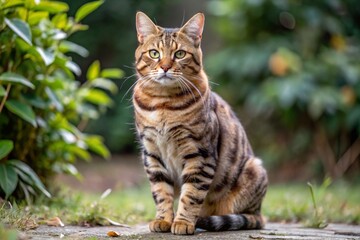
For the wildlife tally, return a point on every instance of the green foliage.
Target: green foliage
(43, 107)
(294, 64)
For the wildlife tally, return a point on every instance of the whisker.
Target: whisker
(137, 81)
(125, 80)
(188, 88)
(143, 82)
(130, 67)
(193, 85)
(214, 83)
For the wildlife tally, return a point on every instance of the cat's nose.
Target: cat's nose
(165, 67)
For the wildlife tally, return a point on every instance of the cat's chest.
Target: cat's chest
(160, 133)
(168, 148)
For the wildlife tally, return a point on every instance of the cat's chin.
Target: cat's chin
(166, 81)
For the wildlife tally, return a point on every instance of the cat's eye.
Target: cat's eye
(180, 54)
(154, 54)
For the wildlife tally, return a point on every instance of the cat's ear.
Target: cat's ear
(194, 27)
(144, 26)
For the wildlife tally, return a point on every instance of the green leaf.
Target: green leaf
(2, 91)
(96, 96)
(21, 28)
(36, 17)
(55, 102)
(73, 67)
(93, 71)
(105, 84)
(22, 110)
(79, 152)
(96, 145)
(9, 179)
(70, 169)
(51, 7)
(46, 55)
(60, 20)
(23, 176)
(5, 147)
(12, 3)
(112, 73)
(86, 9)
(28, 171)
(67, 46)
(9, 77)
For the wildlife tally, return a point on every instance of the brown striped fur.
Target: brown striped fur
(193, 145)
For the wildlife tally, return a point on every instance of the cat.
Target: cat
(193, 145)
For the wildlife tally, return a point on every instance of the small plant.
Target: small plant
(16, 217)
(317, 220)
(43, 108)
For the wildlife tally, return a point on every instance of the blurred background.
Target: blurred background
(290, 69)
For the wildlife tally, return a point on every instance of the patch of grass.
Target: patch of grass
(338, 202)
(16, 217)
(133, 205)
(129, 206)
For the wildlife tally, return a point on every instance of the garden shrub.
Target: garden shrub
(44, 108)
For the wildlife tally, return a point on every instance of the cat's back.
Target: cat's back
(232, 139)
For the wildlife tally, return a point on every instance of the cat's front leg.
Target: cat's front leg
(162, 190)
(197, 175)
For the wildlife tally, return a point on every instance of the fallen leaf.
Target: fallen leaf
(56, 221)
(116, 223)
(113, 234)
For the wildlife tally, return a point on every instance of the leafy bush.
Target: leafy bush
(44, 109)
(295, 63)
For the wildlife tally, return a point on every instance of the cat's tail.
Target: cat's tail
(231, 222)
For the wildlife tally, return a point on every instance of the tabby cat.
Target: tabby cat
(193, 145)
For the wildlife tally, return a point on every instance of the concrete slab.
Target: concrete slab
(272, 231)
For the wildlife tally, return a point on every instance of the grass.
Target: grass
(283, 203)
(337, 203)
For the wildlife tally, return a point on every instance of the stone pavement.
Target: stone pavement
(272, 231)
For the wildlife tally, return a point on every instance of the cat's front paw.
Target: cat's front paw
(160, 226)
(182, 228)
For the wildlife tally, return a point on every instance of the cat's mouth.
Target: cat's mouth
(165, 79)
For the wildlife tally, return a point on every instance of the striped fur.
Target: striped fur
(193, 145)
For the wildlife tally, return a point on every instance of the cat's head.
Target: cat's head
(169, 55)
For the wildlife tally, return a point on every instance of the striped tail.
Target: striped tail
(230, 222)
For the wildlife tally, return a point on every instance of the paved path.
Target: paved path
(272, 231)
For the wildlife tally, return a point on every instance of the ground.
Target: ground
(272, 231)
